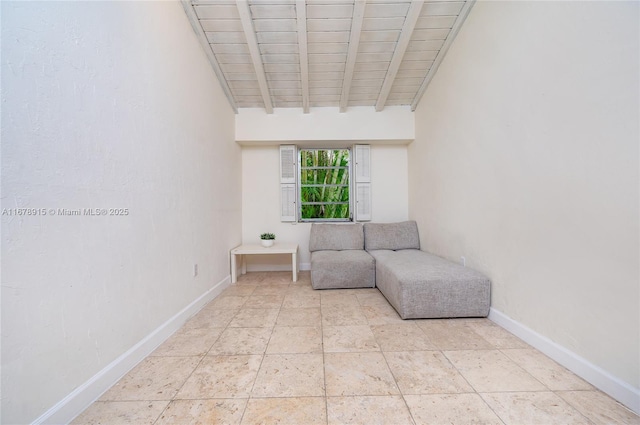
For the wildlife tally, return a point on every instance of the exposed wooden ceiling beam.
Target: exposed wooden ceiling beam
(403, 42)
(254, 51)
(202, 38)
(464, 12)
(354, 42)
(301, 16)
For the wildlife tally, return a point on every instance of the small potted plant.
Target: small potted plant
(267, 239)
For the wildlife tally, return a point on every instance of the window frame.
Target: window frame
(350, 186)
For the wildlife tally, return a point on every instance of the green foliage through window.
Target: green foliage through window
(324, 184)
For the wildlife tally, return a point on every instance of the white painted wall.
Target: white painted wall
(526, 162)
(361, 123)
(105, 105)
(261, 200)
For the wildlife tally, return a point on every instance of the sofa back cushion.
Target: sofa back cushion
(336, 237)
(392, 236)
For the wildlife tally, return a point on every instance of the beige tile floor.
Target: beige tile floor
(271, 351)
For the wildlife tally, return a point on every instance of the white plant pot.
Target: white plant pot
(267, 242)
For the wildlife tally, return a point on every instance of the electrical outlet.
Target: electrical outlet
(195, 270)
(464, 261)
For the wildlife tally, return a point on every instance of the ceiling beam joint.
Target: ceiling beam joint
(354, 42)
(401, 47)
(464, 12)
(254, 51)
(204, 42)
(301, 17)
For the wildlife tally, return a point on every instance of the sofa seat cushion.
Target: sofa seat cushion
(342, 269)
(422, 285)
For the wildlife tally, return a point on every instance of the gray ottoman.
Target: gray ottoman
(420, 285)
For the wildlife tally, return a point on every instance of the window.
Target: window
(324, 184)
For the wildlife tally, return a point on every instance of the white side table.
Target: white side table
(277, 248)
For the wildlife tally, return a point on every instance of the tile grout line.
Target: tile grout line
(264, 354)
(554, 392)
(475, 391)
(227, 326)
(173, 398)
(401, 392)
(324, 364)
(395, 379)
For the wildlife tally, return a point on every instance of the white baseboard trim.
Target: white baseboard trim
(595, 375)
(79, 399)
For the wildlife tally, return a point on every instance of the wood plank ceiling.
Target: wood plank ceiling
(340, 53)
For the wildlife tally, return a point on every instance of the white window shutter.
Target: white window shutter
(288, 169)
(363, 163)
(362, 184)
(363, 201)
(288, 173)
(288, 202)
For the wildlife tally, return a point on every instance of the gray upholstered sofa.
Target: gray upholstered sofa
(421, 285)
(338, 258)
